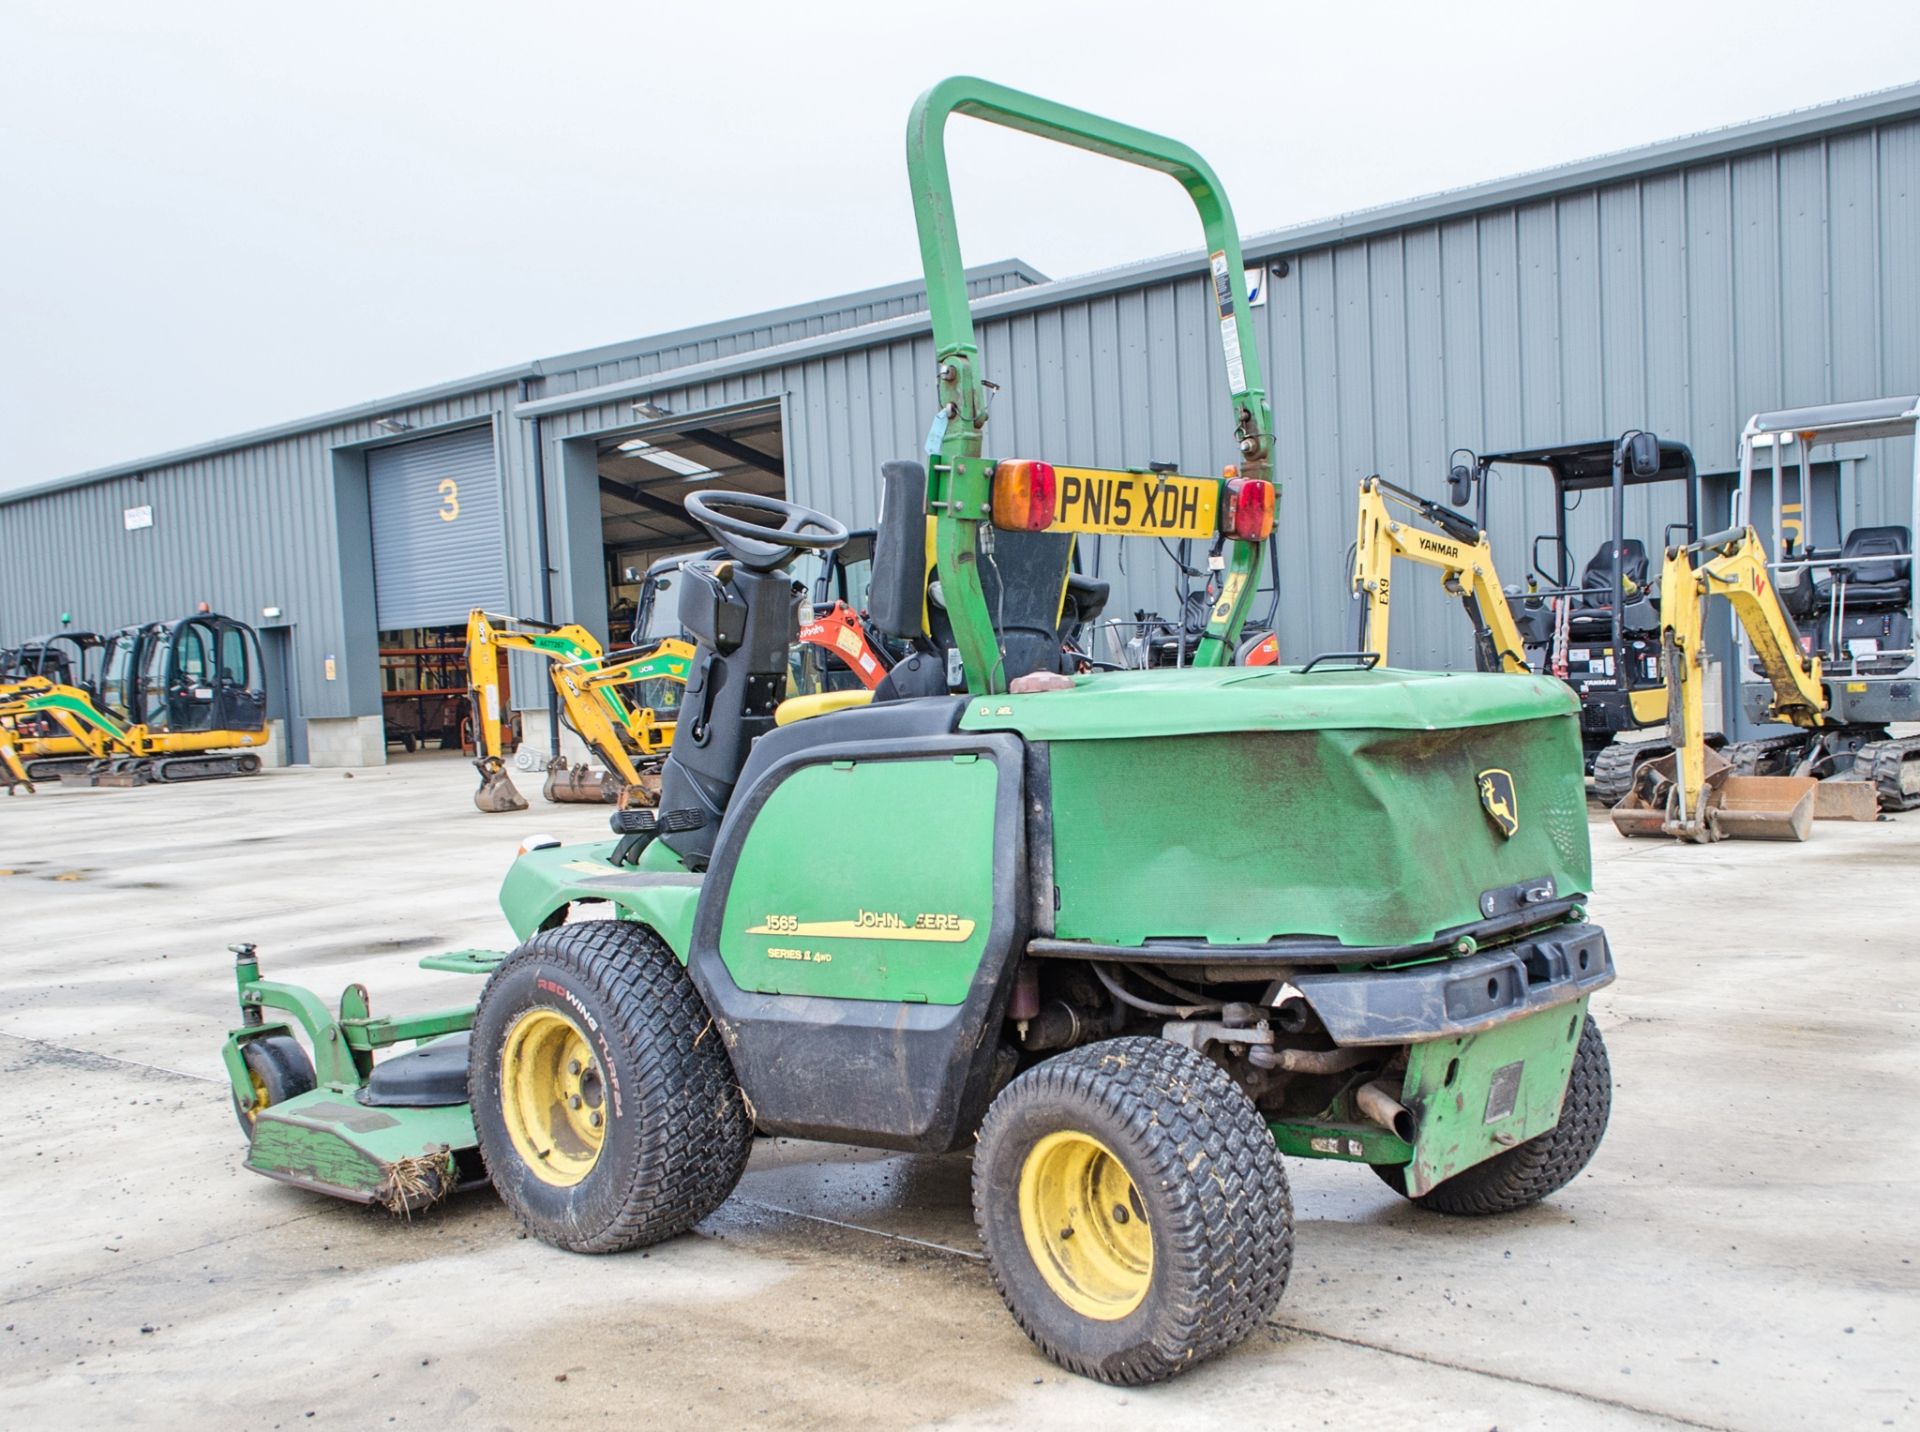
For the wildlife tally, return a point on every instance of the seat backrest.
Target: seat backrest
(1895, 543)
(1024, 577)
(1597, 580)
(897, 592)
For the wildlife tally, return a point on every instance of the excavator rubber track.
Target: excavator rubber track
(1771, 756)
(54, 768)
(172, 770)
(1893, 766)
(1614, 768)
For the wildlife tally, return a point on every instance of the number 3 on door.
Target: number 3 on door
(449, 499)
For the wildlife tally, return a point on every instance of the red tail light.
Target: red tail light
(1249, 509)
(1023, 496)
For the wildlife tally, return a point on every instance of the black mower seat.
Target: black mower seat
(430, 1077)
(1875, 585)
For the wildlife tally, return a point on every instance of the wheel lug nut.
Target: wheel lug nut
(593, 1117)
(573, 1067)
(1066, 1233)
(1120, 1214)
(573, 1101)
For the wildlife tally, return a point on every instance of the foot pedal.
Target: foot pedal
(649, 821)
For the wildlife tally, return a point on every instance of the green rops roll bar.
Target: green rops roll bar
(959, 481)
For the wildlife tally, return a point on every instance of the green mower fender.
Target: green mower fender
(544, 884)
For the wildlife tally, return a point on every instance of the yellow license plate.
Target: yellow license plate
(1132, 504)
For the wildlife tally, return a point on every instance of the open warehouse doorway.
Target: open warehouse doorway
(644, 477)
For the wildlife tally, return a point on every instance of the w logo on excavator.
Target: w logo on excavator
(1497, 798)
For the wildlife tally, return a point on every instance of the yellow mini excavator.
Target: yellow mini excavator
(172, 702)
(1461, 553)
(614, 701)
(1694, 794)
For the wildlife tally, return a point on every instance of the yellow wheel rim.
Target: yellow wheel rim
(260, 1099)
(552, 1097)
(1086, 1225)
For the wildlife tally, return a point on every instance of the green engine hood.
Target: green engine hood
(1172, 701)
(1240, 807)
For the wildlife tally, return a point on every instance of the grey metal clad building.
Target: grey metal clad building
(1679, 287)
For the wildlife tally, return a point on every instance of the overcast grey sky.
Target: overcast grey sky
(219, 216)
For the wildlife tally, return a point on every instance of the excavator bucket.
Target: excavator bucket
(1846, 800)
(580, 785)
(1763, 807)
(13, 774)
(496, 793)
(1643, 810)
(1733, 807)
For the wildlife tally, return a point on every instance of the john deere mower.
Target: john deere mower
(1127, 937)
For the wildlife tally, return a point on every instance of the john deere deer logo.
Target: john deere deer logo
(1499, 801)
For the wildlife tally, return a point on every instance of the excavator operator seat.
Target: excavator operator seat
(1593, 608)
(1597, 581)
(1872, 585)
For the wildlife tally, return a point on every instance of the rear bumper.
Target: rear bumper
(1463, 996)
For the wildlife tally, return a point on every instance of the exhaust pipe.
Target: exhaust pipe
(1377, 1102)
(497, 794)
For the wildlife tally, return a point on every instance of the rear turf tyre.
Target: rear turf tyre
(606, 1105)
(1181, 1225)
(279, 1070)
(1543, 1165)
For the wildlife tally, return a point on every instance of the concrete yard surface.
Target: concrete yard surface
(1741, 1253)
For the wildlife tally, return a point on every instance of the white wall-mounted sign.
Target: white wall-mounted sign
(137, 517)
(1256, 286)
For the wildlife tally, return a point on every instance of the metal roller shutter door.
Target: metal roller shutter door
(438, 547)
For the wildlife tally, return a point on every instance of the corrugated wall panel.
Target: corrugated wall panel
(1682, 301)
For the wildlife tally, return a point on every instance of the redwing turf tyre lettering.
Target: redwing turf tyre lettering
(1543, 1165)
(1211, 1187)
(677, 1132)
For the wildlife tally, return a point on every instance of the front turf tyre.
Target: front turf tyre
(278, 1069)
(606, 1105)
(1134, 1209)
(1529, 1172)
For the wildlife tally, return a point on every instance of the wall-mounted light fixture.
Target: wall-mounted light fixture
(392, 425)
(647, 408)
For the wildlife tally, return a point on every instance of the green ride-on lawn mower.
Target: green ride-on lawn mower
(1126, 936)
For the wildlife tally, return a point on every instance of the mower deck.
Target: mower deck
(402, 1159)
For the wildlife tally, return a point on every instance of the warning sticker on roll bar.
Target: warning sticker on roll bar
(1229, 330)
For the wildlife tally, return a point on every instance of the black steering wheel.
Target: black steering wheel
(760, 546)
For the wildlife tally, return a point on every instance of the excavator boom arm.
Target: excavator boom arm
(1466, 571)
(1737, 570)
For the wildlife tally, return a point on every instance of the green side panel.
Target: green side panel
(867, 880)
(668, 912)
(1481, 1094)
(1370, 837)
(1171, 701)
(541, 881)
(326, 1139)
